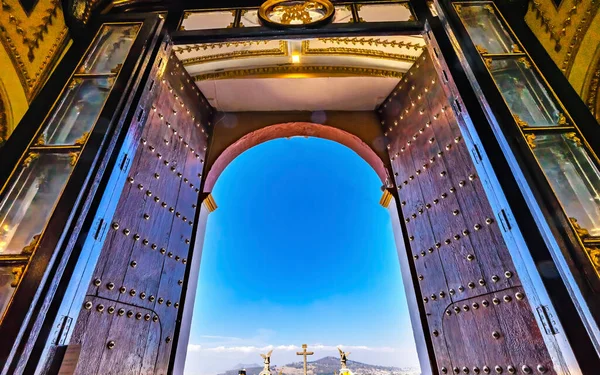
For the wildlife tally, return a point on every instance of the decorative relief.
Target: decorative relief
(212, 46)
(18, 272)
(3, 121)
(552, 25)
(374, 42)
(374, 53)
(591, 97)
(593, 253)
(281, 50)
(32, 40)
(287, 13)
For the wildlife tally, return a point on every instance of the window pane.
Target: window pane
(484, 28)
(573, 177)
(110, 48)
(77, 111)
(524, 93)
(30, 198)
(8, 285)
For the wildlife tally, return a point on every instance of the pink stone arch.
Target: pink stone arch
(292, 129)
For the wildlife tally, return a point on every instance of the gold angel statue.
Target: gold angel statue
(267, 361)
(343, 358)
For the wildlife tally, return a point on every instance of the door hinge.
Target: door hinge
(124, 162)
(476, 154)
(547, 320)
(504, 220)
(457, 106)
(100, 230)
(63, 330)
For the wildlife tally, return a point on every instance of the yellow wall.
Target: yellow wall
(571, 35)
(30, 46)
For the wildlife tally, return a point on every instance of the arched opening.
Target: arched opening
(299, 251)
(292, 129)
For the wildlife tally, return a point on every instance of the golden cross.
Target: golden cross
(304, 353)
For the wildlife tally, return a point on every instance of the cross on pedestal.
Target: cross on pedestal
(304, 353)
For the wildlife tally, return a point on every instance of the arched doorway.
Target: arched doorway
(331, 225)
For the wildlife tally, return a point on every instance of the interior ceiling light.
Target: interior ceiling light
(295, 58)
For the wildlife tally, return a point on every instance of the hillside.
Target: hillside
(327, 366)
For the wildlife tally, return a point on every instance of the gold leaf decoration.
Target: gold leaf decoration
(18, 272)
(521, 123)
(81, 140)
(530, 139)
(32, 156)
(581, 232)
(574, 138)
(31, 247)
(482, 50)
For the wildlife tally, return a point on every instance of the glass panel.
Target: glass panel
(524, 93)
(110, 48)
(9, 276)
(484, 28)
(76, 112)
(30, 198)
(573, 177)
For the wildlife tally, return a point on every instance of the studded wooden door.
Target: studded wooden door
(128, 319)
(477, 312)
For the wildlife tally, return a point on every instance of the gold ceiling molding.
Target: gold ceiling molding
(349, 51)
(32, 41)
(592, 98)
(546, 19)
(374, 42)
(281, 50)
(207, 46)
(580, 30)
(4, 119)
(299, 71)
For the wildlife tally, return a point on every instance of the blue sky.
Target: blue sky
(298, 251)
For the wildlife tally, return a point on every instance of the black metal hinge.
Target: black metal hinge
(124, 162)
(504, 220)
(476, 154)
(63, 330)
(100, 230)
(547, 320)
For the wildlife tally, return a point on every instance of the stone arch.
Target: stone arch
(293, 129)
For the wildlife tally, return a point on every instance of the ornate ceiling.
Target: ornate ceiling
(32, 35)
(570, 33)
(369, 56)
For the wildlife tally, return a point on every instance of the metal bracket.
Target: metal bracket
(476, 154)
(63, 330)
(504, 220)
(547, 320)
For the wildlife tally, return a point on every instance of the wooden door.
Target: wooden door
(128, 320)
(477, 311)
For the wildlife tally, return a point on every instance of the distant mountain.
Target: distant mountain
(327, 366)
(240, 366)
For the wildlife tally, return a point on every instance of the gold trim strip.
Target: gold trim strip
(547, 129)
(233, 55)
(293, 71)
(209, 203)
(386, 198)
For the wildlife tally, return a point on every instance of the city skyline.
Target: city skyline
(299, 251)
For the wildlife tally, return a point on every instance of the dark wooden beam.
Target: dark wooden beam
(332, 30)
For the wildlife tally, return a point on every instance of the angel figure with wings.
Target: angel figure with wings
(343, 358)
(267, 362)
